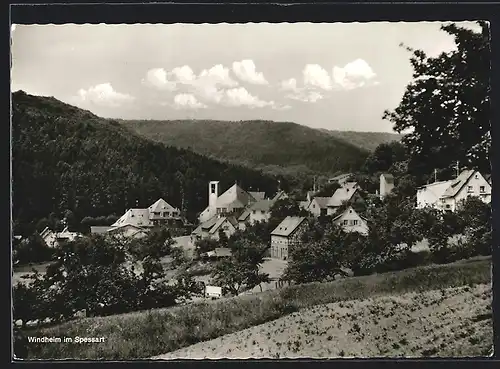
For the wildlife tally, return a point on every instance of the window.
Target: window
(346, 222)
(255, 211)
(262, 212)
(212, 188)
(481, 189)
(355, 222)
(469, 189)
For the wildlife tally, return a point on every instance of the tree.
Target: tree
(242, 270)
(385, 157)
(446, 107)
(281, 209)
(319, 257)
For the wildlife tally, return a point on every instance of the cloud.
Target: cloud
(183, 74)
(306, 96)
(104, 95)
(241, 97)
(158, 77)
(245, 70)
(354, 74)
(290, 85)
(314, 75)
(217, 75)
(187, 101)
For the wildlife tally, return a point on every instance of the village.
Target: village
(235, 209)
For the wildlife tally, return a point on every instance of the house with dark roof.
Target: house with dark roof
(351, 221)
(348, 193)
(211, 228)
(286, 235)
(259, 211)
(447, 195)
(318, 206)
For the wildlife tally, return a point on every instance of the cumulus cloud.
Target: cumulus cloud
(354, 74)
(183, 74)
(290, 85)
(241, 97)
(158, 77)
(104, 95)
(314, 75)
(187, 101)
(217, 75)
(245, 71)
(306, 96)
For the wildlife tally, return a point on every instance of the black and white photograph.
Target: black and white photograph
(251, 191)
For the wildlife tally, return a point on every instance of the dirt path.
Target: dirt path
(453, 322)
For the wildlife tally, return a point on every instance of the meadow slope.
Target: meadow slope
(448, 322)
(151, 333)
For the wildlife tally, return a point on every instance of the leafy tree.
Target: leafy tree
(32, 250)
(205, 245)
(447, 106)
(385, 157)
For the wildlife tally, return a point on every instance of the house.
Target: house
(257, 195)
(212, 227)
(281, 195)
(286, 235)
(128, 231)
(220, 253)
(386, 184)
(447, 195)
(214, 292)
(57, 239)
(318, 206)
(234, 199)
(348, 193)
(162, 212)
(351, 221)
(341, 178)
(134, 217)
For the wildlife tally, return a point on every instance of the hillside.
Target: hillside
(272, 146)
(365, 140)
(441, 323)
(466, 298)
(68, 158)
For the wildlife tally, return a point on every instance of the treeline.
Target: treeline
(65, 158)
(104, 276)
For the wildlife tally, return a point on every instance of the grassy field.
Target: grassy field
(156, 332)
(454, 322)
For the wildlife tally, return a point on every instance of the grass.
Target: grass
(146, 334)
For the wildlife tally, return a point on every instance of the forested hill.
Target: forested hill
(365, 140)
(68, 158)
(260, 144)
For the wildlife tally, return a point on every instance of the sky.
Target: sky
(338, 76)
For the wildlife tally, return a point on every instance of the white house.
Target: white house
(351, 221)
(158, 213)
(259, 211)
(349, 192)
(211, 228)
(213, 291)
(386, 184)
(318, 206)
(447, 195)
(286, 235)
(57, 239)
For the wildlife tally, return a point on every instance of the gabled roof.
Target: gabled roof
(437, 188)
(136, 217)
(288, 226)
(221, 221)
(111, 229)
(234, 196)
(257, 195)
(322, 201)
(160, 206)
(349, 210)
(342, 194)
(457, 184)
(279, 196)
(244, 216)
(264, 205)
